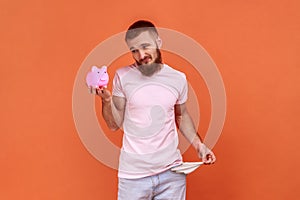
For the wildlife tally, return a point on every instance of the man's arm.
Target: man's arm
(187, 128)
(113, 108)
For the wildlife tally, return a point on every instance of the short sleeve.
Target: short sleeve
(117, 86)
(183, 93)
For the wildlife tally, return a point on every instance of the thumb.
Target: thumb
(204, 157)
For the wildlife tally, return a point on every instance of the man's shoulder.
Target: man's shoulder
(125, 69)
(174, 72)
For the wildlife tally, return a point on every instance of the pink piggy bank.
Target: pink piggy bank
(97, 77)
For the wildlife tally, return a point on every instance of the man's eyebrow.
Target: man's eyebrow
(145, 44)
(141, 45)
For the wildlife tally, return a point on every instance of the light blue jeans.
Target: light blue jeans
(164, 186)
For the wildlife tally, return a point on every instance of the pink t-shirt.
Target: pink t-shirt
(150, 140)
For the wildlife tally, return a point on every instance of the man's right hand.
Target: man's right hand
(104, 93)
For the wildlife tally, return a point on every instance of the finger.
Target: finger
(89, 90)
(208, 159)
(211, 158)
(204, 158)
(101, 90)
(89, 87)
(214, 158)
(93, 91)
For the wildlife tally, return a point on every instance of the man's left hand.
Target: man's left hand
(208, 157)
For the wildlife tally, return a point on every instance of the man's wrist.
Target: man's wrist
(197, 142)
(106, 100)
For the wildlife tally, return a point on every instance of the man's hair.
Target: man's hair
(138, 27)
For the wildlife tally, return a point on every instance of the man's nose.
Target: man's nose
(141, 54)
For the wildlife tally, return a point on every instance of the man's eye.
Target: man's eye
(144, 47)
(133, 51)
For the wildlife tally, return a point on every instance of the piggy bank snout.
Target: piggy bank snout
(104, 76)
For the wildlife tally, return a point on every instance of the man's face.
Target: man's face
(145, 52)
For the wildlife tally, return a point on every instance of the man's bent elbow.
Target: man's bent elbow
(113, 126)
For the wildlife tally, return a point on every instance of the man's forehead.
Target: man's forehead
(143, 38)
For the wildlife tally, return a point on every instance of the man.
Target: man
(148, 102)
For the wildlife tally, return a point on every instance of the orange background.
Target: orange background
(255, 45)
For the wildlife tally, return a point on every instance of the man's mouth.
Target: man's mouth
(145, 60)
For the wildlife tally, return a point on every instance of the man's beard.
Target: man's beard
(150, 69)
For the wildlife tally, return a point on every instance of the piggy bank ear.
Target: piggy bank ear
(94, 68)
(104, 68)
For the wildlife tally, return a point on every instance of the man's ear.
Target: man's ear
(159, 42)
